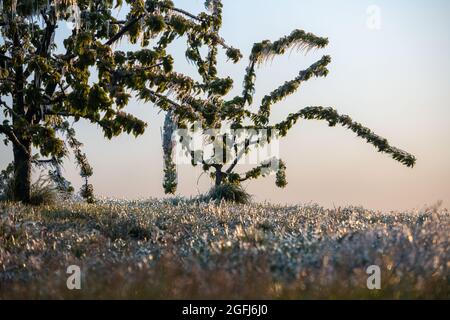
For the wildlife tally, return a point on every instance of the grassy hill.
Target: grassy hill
(164, 249)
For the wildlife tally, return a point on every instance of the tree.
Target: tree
(214, 111)
(41, 89)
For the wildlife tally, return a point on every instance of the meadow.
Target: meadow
(166, 249)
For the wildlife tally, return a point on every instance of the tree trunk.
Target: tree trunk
(22, 147)
(22, 172)
(219, 177)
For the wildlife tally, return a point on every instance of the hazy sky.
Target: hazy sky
(394, 80)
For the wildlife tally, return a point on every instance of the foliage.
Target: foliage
(208, 105)
(42, 89)
(228, 192)
(43, 192)
(6, 181)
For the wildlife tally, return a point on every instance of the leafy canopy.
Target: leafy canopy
(46, 85)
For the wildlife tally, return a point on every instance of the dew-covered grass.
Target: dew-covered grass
(179, 249)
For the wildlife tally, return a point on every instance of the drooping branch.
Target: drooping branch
(333, 118)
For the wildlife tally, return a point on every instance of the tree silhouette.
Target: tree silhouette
(213, 111)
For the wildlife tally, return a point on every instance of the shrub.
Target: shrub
(43, 190)
(230, 193)
(6, 183)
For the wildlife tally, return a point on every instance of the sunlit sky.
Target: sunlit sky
(394, 80)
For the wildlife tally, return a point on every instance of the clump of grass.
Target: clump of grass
(43, 190)
(228, 192)
(6, 183)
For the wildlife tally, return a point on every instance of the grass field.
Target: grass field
(168, 249)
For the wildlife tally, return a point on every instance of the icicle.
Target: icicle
(170, 172)
(142, 22)
(52, 40)
(13, 8)
(107, 29)
(210, 5)
(77, 17)
(56, 10)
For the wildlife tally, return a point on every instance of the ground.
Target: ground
(181, 249)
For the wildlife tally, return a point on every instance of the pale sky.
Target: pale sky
(394, 80)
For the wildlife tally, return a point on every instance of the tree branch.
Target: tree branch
(124, 30)
(333, 118)
(6, 130)
(3, 103)
(255, 172)
(240, 155)
(188, 14)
